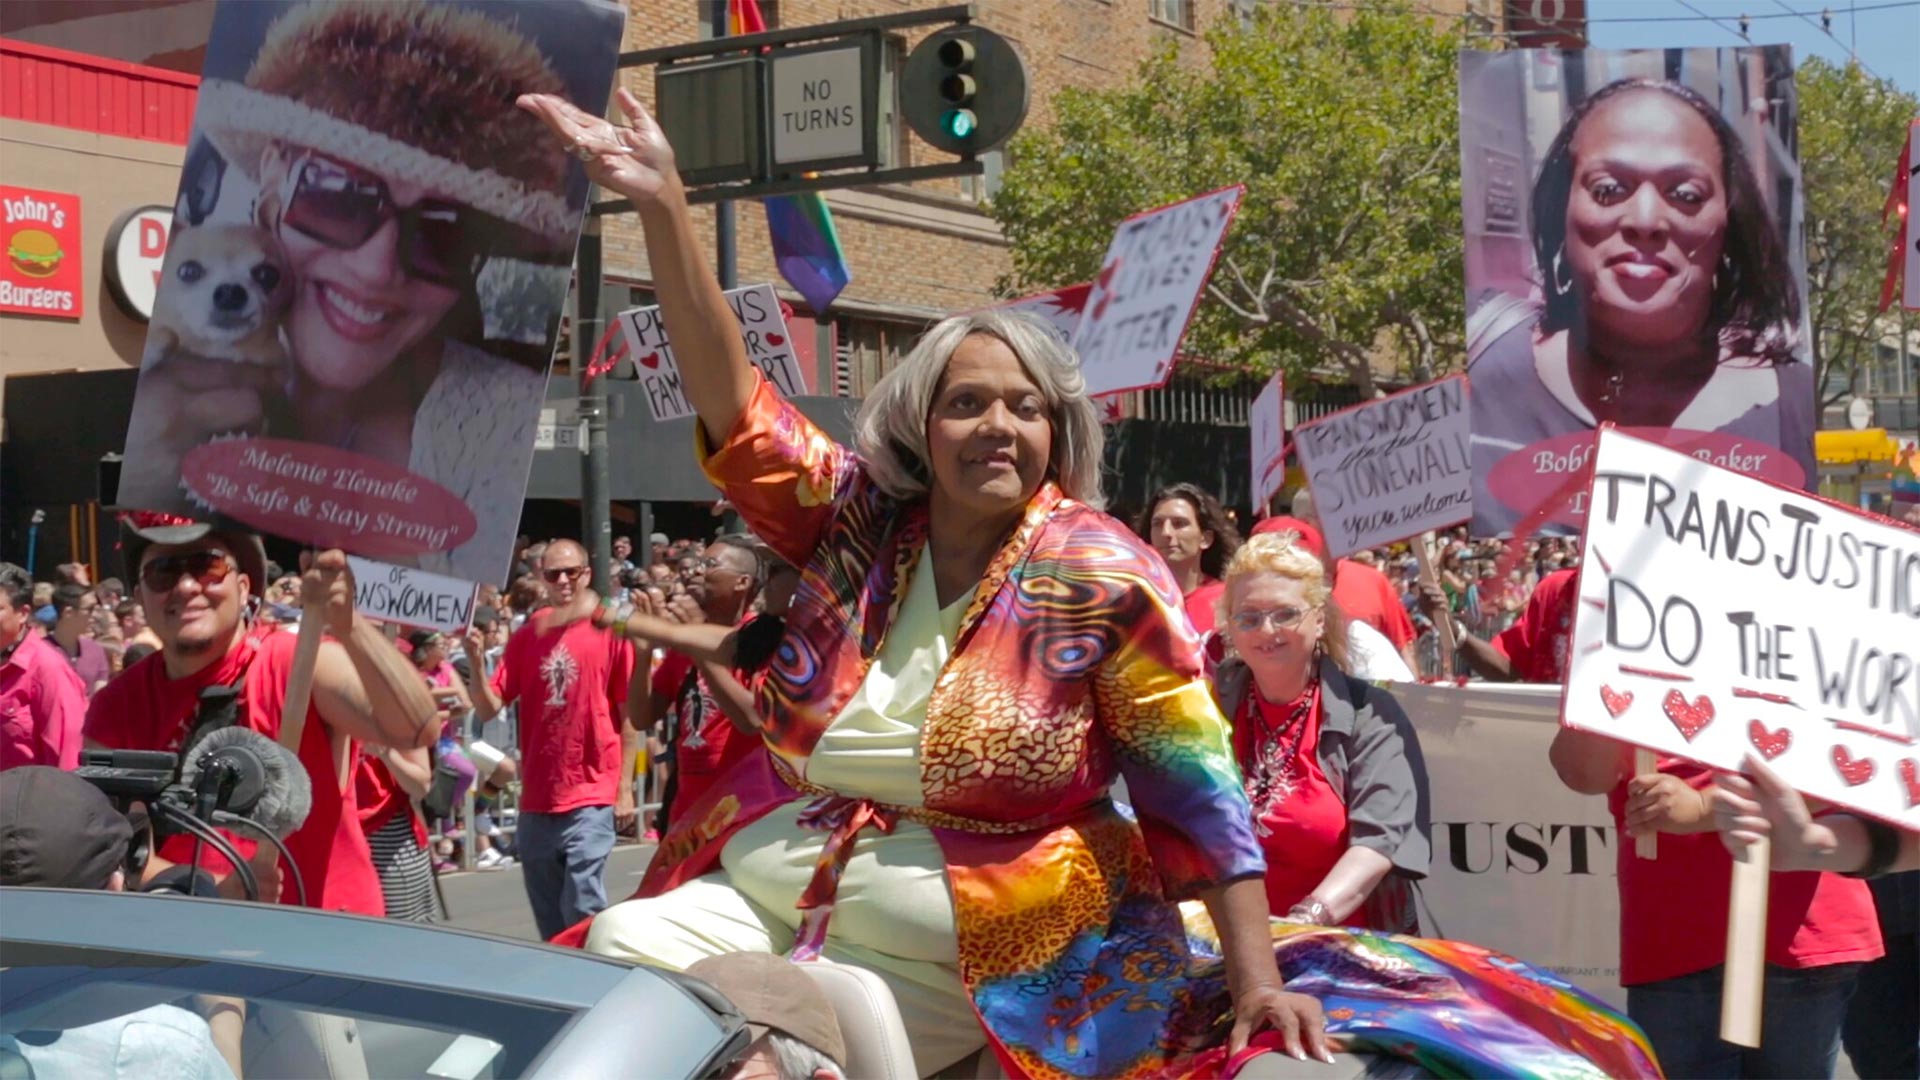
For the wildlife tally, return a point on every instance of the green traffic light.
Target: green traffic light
(960, 123)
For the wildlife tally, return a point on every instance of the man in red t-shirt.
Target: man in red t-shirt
(197, 582)
(1534, 648)
(711, 723)
(573, 681)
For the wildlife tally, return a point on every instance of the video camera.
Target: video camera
(229, 776)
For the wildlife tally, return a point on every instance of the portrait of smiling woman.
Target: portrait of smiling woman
(1661, 292)
(414, 229)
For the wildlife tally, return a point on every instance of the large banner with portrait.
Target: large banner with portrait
(1634, 256)
(362, 291)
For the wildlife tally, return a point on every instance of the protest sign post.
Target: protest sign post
(1746, 970)
(1646, 844)
(1721, 615)
(1266, 424)
(1443, 628)
(1149, 286)
(763, 328)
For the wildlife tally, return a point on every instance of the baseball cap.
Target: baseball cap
(775, 995)
(57, 830)
(140, 530)
(658, 538)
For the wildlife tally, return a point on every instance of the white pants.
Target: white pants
(708, 916)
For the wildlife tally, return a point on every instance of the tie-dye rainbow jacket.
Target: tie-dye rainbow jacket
(1072, 666)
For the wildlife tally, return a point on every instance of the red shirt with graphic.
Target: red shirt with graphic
(143, 709)
(1537, 642)
(571, 682)
(707, 743)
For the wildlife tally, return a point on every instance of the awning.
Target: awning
(1854, 447)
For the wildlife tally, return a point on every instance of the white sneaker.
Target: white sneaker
(489, 860)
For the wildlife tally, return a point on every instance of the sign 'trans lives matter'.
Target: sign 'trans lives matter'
(1390, 468)
(1721, 615)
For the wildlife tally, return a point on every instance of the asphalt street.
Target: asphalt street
(495, 901)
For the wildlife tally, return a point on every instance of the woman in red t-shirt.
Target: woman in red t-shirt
(1821, 927)
(1333, 769)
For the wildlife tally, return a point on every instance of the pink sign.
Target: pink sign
(328, 497)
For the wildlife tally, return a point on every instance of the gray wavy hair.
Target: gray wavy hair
(890, 433)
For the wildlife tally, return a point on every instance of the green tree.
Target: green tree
(1343, 128)
(1852, 127)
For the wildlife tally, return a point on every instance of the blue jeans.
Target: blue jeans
(563, 859)
(1882, 1032)
(1799, 1024)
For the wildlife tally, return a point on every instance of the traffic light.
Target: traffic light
(964, 90)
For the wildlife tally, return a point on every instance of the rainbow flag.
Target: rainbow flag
(806, 247)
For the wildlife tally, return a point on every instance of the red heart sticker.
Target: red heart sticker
(776, 339)
(1615, 701)
(1855, 771)
(1910, 777)
(1690, 717)
(1771, 744)
(651, 360)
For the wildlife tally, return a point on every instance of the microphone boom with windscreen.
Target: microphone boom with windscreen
(249, 775)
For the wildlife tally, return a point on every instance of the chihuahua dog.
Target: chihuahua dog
(222, 294)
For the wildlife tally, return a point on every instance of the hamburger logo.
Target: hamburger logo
(35, 253)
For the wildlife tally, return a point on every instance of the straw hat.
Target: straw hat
(423, 93)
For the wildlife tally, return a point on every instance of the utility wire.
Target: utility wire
(1851, 55)
(1741, 34)
(1698, 16)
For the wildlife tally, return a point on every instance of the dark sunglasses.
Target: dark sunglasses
(342, 207)
(208, 567)
(560, 573)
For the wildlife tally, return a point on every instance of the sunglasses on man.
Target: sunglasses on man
(208, 566)
(558, 574)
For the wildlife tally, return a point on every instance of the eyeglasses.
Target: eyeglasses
(209, 566)
(343, 207)
(1281, 618)
(562, 573)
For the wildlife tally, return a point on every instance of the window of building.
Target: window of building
(865, 349)
(1172, 12)
(978, 189)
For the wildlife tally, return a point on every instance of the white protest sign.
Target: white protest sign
(762, 327)
(1721, 616)
(1059, 309)
(1266, 424)
(1521, 863)
(1148, 288)
(400, 594)
(1390, 468)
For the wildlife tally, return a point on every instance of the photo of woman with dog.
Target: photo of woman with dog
(380, 269)
(1648, 276)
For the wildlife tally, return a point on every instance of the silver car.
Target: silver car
(100, 984)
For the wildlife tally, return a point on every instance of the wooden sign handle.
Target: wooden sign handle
(1745, 971)
(293, 714)
(1422, 552)
(1646, 844)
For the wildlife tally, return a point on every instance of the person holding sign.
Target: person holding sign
(1190, 530)
(1332, 766)
(1666, 299)
(1673, 924)
(196, 581)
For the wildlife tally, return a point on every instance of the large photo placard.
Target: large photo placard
(371, 249)
(1721, 616)
(1634, 256)
(1390, 468)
